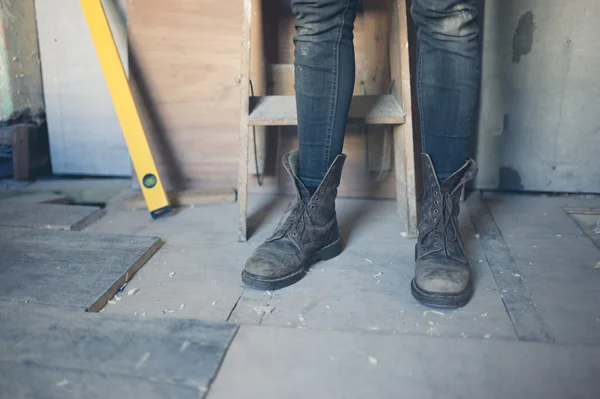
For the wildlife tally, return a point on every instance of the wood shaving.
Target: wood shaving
(171, 274)
(132, 291)
(369, 260)
(262, 309)
(373, 360)
(377, 275)
(182, 306)
(142, 360)
(431, 311)
(184, 345)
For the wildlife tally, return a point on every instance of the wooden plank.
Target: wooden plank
(18, 212)
(404, 148)
(183, 198)
(20, 152)
(401, 366)
(59, 353)
(68, 269)
(281, 110)
(375, 79)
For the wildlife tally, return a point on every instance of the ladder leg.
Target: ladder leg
(406, 189)
(244, 128)
(243, 185)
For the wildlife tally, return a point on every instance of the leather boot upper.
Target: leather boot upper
(310, 225)
(441, 264)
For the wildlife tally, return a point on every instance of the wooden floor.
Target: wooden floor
(531, 330)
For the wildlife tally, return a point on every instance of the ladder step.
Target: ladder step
(370, 110)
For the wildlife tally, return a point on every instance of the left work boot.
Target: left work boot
(442, 271)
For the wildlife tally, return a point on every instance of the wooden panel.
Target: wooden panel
(186, 198)
(59, 353)
(185, 58)
(19, 212)
(67, 268)
(281, 111)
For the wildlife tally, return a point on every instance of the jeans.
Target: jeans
(448, 69)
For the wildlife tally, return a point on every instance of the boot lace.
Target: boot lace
(443, 230)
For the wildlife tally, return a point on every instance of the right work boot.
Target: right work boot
(308, 234)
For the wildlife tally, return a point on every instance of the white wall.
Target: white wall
(84, 131)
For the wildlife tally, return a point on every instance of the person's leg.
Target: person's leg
(448, 70)
(324, 73)
(324, 81)
(448, 76)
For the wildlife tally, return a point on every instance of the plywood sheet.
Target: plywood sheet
(68, 269)
(185, 59)
(25, 212)
(333, 364)
(58, 353)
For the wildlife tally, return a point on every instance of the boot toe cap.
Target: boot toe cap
(443, 279)
(272, 262)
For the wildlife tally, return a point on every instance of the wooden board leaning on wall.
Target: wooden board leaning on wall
(184, 66)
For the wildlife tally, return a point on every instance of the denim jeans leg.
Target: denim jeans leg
(448, 78)
(324, 80)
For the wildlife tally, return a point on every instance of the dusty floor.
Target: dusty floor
(351, 328)
(196, 273)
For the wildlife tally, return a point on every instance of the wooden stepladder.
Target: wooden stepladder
(393, 109)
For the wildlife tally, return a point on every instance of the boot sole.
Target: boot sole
(268, 284)
(441, 300)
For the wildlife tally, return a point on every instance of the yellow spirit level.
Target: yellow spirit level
(129, 118)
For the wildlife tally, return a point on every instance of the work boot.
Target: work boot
(442, 272)
(309, 233)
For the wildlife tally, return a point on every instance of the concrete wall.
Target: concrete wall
(20, 75)
(540, 103)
